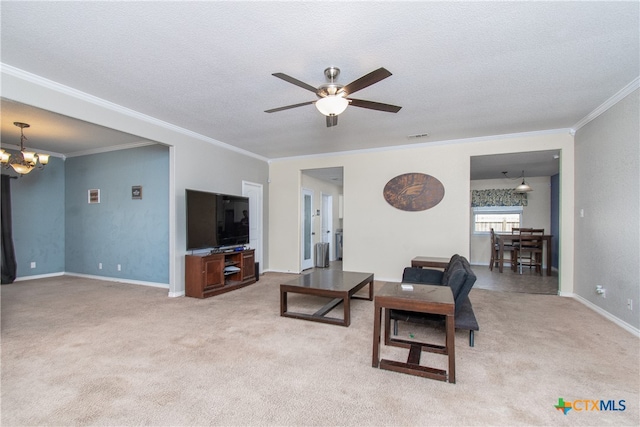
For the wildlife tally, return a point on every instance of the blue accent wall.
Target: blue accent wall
(37, 210)
(119, 230)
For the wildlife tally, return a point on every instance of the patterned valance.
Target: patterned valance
(496, 197)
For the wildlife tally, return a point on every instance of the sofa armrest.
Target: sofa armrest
(422, 275)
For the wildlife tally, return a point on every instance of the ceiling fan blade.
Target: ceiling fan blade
(374, 105)
(296, 82)
(366, 80)
(332, 121)
(287, 107)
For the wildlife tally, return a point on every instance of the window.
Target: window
(501, 218)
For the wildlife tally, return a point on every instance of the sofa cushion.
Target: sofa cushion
(461, 280)
(464, 318)
(456, 282)
(421, 275)
(447, 271)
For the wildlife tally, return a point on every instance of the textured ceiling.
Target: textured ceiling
(460, 69)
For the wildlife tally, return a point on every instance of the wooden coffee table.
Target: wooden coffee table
(339, 285)
(430, 261)
(433, 299)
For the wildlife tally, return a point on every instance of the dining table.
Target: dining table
(511, 238)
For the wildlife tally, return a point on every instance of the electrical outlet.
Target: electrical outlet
(630, 304)
(33, 264)
(119, 267)
(99, 266)
(601, 291)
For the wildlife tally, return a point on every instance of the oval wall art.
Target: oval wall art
(413, 192)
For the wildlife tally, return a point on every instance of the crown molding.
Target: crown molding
(430, 144)
(112, 148)
(69, 91)
(16, 148)
(66, 90)
(621, 94)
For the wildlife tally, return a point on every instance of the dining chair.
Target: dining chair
(529, 249)
(522, 230)
(495, 252)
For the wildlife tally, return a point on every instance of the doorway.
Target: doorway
(541, 209)
(326, 185)
(326, 218)
(255, 194)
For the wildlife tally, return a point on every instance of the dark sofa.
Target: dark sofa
(460, 278)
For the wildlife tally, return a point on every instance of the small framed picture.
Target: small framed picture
(136, 192)
(94, 196)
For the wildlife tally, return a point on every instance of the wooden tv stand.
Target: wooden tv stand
(213, 274)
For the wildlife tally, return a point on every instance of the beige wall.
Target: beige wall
(381, 239)
(537, 213)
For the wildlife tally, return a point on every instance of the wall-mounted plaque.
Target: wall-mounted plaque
(136, 192)
(413, 192)
(94, 196)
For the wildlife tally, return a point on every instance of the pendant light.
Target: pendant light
(522, 188)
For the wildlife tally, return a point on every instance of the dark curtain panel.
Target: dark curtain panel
(8, 254)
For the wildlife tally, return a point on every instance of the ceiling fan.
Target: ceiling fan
(334, 97)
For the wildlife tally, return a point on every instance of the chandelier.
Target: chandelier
(25, 161)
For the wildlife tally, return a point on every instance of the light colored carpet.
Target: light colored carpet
(86, 352)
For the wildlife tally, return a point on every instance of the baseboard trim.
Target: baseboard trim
(108, 279)
(39, 276)
(120, 280)
(624, 325)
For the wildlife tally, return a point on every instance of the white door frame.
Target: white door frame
(327, 222)
(306, 220)
(254, 192)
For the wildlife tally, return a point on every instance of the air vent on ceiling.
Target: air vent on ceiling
(418, 135)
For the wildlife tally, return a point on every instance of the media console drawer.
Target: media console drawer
(213, 274)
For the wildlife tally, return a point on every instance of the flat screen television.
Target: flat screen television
(216, 220)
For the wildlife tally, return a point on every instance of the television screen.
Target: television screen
(216, 220)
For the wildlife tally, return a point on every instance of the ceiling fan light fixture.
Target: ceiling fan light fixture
(332, 105)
